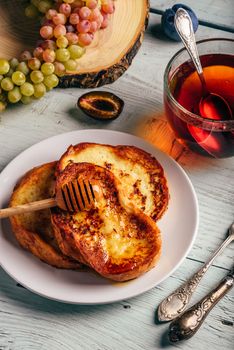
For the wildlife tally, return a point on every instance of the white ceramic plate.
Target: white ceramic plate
(178, 227)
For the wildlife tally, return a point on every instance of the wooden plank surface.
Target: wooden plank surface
(141, 88)
(206, 10)
(30, 322)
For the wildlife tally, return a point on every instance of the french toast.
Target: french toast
(33, 230)
(140, 175)
(118, 241)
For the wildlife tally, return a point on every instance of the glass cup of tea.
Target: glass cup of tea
(183, 92)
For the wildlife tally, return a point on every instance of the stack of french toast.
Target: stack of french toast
(118, 237)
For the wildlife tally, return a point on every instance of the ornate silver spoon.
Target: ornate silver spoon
(211, 105)
(175, 303)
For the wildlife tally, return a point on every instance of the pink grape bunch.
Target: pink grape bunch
(67, 27)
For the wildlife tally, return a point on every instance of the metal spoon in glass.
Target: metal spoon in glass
(211, 105)
(176, 302)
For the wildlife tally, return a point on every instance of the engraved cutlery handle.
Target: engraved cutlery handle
(191, 320)
(184, 28)
(176, 302)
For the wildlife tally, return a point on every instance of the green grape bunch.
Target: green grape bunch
(67, 28)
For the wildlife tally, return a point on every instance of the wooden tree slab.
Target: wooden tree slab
(110, 54)
(17, 32)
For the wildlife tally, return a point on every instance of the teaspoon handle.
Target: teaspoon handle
(176, 302)
(191, 320)
(184, 27)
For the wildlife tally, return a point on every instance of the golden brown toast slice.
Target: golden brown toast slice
(33, 230)
(120, 242)
(140, 175)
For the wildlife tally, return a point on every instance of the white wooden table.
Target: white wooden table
(29, 322)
